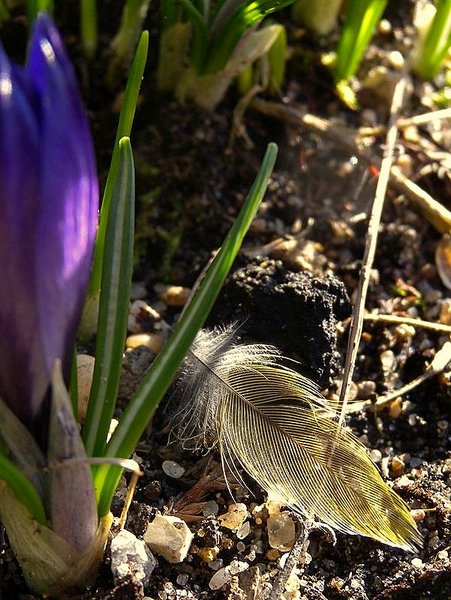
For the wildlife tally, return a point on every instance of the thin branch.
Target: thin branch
(397, 320)
(445, 113)
(371, 243)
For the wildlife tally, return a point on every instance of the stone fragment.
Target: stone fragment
(281, 531)
(173, 469)
(170, 537)
(130, 558)
(153, 341)
(234, 517)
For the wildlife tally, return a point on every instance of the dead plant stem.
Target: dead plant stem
(371, 244)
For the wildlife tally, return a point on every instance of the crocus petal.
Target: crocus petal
(48, 218)
(68, 194)
(20, 350)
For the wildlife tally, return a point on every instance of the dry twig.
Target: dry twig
(371, 243)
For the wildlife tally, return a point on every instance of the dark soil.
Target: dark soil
(190, 186)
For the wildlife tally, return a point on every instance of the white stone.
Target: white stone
(173, 469)
(170, 537)
(130, 557)
(220, 578)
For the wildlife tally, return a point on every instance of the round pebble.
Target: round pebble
(173, 469)
(396, 60)
(376, 455)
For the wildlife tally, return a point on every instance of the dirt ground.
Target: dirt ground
(291, 286)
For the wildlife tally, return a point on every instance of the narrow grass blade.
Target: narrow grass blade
(361, 18)
(124, 130)
(23, 489)
(114, 303)
(143, 404)
(88, 27)
(436, 43)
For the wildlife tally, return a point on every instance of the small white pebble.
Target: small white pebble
(396, 60)
(384, 26)
(244, 530)
(417, 563)
(376, 455)
(442, 555)
(173, 469)
(219, 579)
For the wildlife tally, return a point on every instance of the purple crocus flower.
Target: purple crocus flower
(48, 219)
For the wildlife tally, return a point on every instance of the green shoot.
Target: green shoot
(89, 318)
(361, 18)
(88, 27)
(434, 42)
(114, 303)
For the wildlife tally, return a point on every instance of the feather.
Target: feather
(274, 422)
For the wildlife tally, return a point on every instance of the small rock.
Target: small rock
(434, 542)
(417, 563)
(130, 557)
(281, 531)
(173, 469)
(396, 60)
(175, 295)
(384, 27)
(208, 554)
(170, 537)
(154, 341)
(397, 466)
(220, 578)
(395, 409)
(234, 517)
(272, 554)
(376, 455)
(243, 531)
(142, 317)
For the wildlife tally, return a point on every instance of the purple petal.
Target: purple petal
(20, 350)
(68, 193)
(48, 217)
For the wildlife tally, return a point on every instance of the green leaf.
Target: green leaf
(143, 405)
(114, 304)
(228, 29)
(88, 27)
(361, 18)
(23, 489)
(124, 130)
(434, 45)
